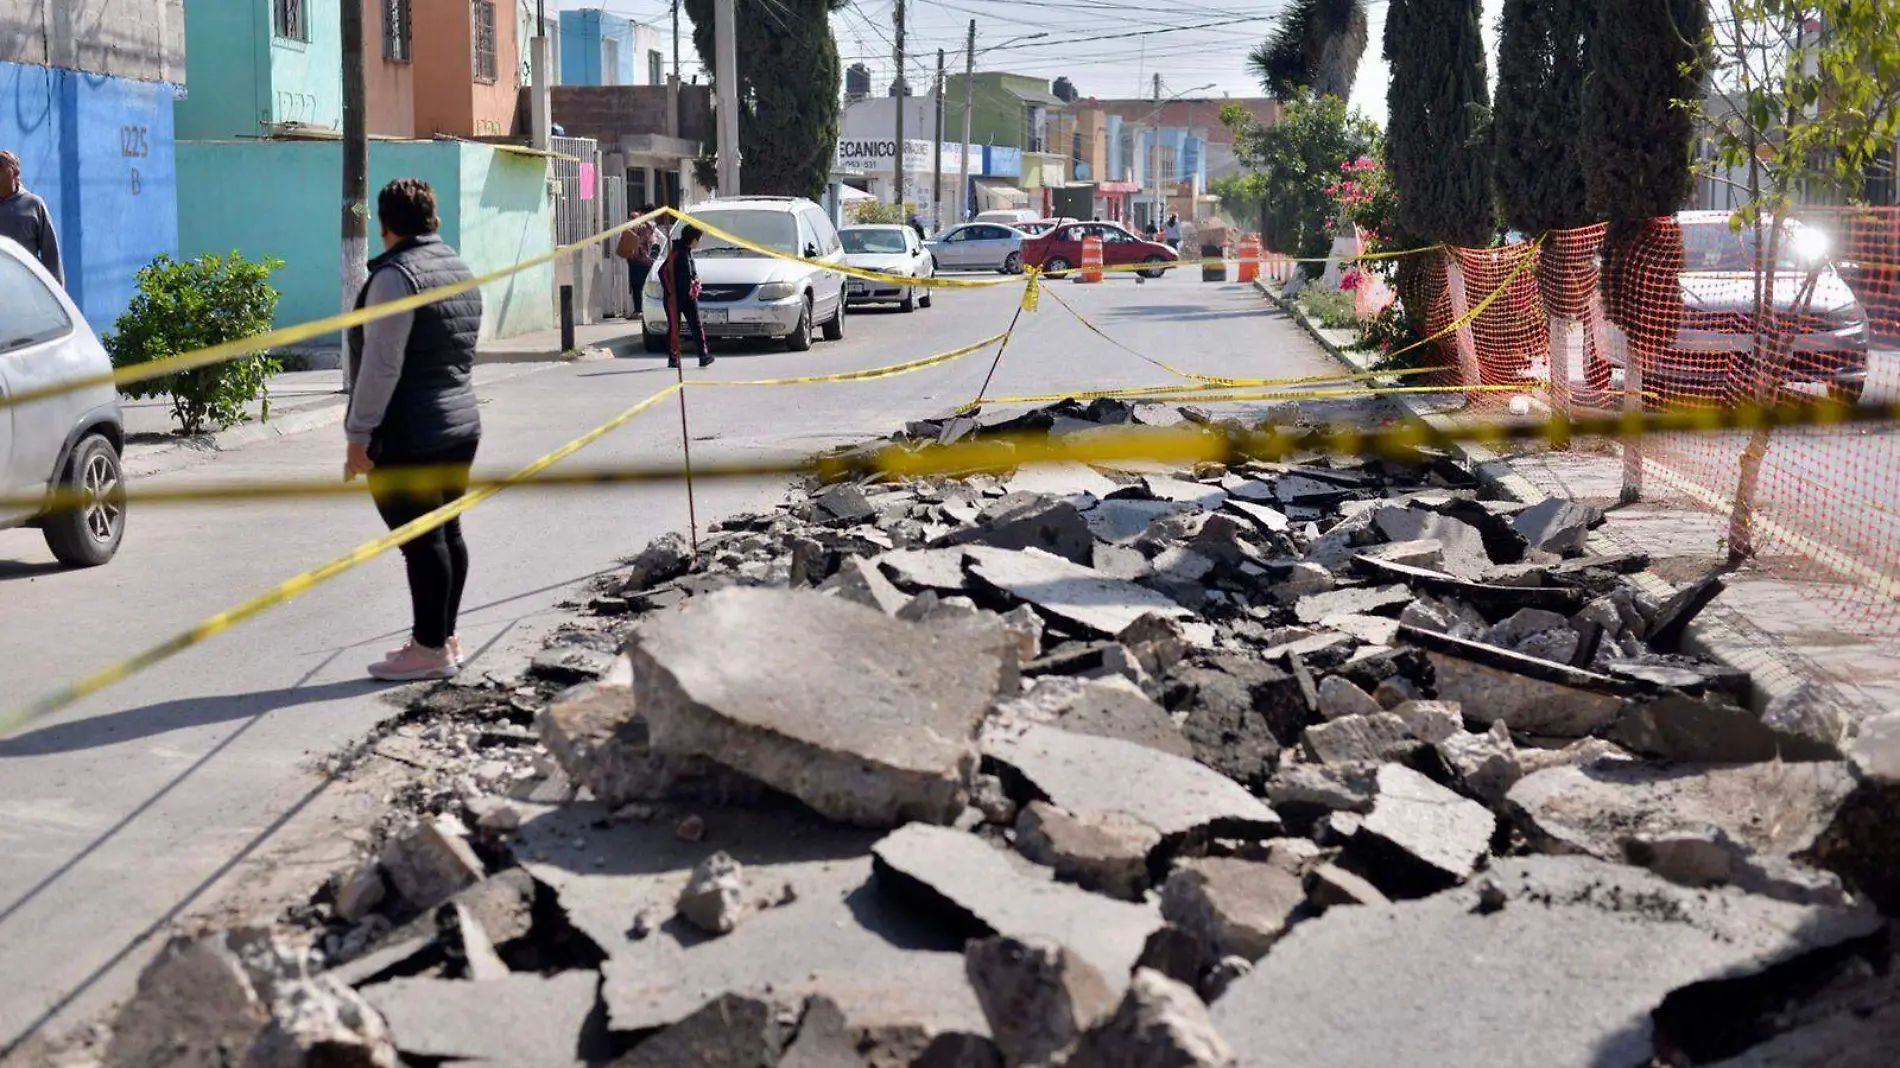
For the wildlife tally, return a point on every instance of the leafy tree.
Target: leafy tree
(1637, 126)
(789, 83)
(1543, 59)
(1316, 44)
(1297, 162)
(184, 306)
(1439, 149)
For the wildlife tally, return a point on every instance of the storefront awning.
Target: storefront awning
(996, 194)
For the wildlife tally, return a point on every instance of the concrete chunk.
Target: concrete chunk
(1431, 721)
(1159, 1024)
(731, 1031)
(1421, 997)
(1421, 836)
(963, 880)
(1038, 996)
(1036, 523)
(859, 581)
(1106, 708)
(1060, 479)
(1238, 908)
(1356, 739)
(1524, 703)
(1125, 520)
(867, 719)
(714, 898)
(1462, 546)
(1556, 525)
(522, 1019)
(600, 740)
(1107, 853)
(1269, 520)
(431, 860)
(1070, 592)
(925, 569)
(1339, 698)
(1091, 777)
(1355, 600)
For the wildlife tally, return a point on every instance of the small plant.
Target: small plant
(872, 213)
(1333, 309)
(182, 306)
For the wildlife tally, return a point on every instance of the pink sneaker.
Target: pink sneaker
(414, 663)
(454, 647)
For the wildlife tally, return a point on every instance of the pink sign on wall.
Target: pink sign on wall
(587, 181)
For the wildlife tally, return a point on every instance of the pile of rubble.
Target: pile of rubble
(1330, 763)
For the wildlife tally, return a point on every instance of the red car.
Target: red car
(1061, 248)
(1041, 226)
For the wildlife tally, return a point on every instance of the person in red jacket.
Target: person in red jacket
(679, 280)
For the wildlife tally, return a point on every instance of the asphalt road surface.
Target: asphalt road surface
(121, 814)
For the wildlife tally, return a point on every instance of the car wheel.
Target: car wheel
(1013, 263)
(89, 535)
(1055, 264)
(799, 340)
(1154, 269)
(657, 343)
(923, 301)
(909, 303)
(834, 330)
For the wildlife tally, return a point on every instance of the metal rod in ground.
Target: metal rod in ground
(686, 446)
(1001, 345)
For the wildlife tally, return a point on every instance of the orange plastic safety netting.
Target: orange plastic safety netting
(1693, 311)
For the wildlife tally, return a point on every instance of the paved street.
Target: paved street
(118, 813)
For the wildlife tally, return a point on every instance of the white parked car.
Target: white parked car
(71, 441)
(978, 246)
(747, 294)
(1009, 216)
(886, 250)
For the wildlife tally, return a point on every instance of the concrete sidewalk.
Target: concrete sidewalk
(314, 399)
(1812, 662)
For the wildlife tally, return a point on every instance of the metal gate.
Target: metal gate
(589, 200)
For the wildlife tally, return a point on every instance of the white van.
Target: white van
(1009, 216)
(746, 294)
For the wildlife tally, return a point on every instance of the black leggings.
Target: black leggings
(437, 561)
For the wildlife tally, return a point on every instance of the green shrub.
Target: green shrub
(1333, 309)
(872, 213)
(182, 306)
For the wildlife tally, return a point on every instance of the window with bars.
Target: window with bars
(486, 68)
(396, 30)
(288, 21)
(656, 68)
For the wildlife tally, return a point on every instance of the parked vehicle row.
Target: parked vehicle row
(747, 294)
(893, 250)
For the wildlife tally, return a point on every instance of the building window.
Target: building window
(396, 30)
(656, 67)
(486, 69)
(287, 20)
(609, 62)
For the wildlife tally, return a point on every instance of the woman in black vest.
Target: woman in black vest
(412, 405)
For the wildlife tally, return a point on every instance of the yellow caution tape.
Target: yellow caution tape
(868, 374)
(309, 580)
(291, 335)
(1213, 394)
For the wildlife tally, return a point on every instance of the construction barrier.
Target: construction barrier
(1249, 258)
(1091, 260)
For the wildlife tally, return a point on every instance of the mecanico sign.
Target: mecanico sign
(874, 154)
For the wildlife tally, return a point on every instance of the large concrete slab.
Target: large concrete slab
(1068, 591)
(524, 1020)
(1565, 971)
(960, 878)
(1086, 774)
(867, 719)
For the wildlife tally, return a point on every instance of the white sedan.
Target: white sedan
(891, 250)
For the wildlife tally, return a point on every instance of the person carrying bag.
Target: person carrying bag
(639, 246)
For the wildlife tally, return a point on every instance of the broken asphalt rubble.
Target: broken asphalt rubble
(1321, 763)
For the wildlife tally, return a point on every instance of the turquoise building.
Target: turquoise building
(258, 71)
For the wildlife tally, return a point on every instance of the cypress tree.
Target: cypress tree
(1315, 44)
(1543, 59)
(789, 83)
(1638, 135)
(1438, 134)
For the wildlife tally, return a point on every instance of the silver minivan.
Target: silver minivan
(743, 293)
(69, 441)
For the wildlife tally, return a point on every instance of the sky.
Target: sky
(1108, 48)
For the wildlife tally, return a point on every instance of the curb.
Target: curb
(1774, 681)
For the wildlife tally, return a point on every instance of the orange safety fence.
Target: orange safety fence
(1689, 311)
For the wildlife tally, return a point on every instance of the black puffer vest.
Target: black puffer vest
(433, 407)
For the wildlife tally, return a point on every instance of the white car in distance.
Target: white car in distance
(892, 250)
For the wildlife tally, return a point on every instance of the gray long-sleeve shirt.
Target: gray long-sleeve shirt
(24, 218)
(374, 374)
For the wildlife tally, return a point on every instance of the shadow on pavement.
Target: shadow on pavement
(13, 570)
(168, 716)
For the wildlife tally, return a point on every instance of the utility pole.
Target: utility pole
(936, 165)
(903, 93)
(726, 83)
(676, 40)
(355, 231)
(1155, 219)
(969, 106)
(540, 71)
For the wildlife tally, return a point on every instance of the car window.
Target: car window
(1713, 247)
(877, 242)
(32, 314)
(996, 233)
(1116, 235)
(821, 228)
(776, 230)
(959, 234)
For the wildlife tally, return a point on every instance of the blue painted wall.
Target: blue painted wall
(100, 151)
(583, 34)
(278, 200)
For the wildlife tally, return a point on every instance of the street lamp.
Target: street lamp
(1155, 117)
